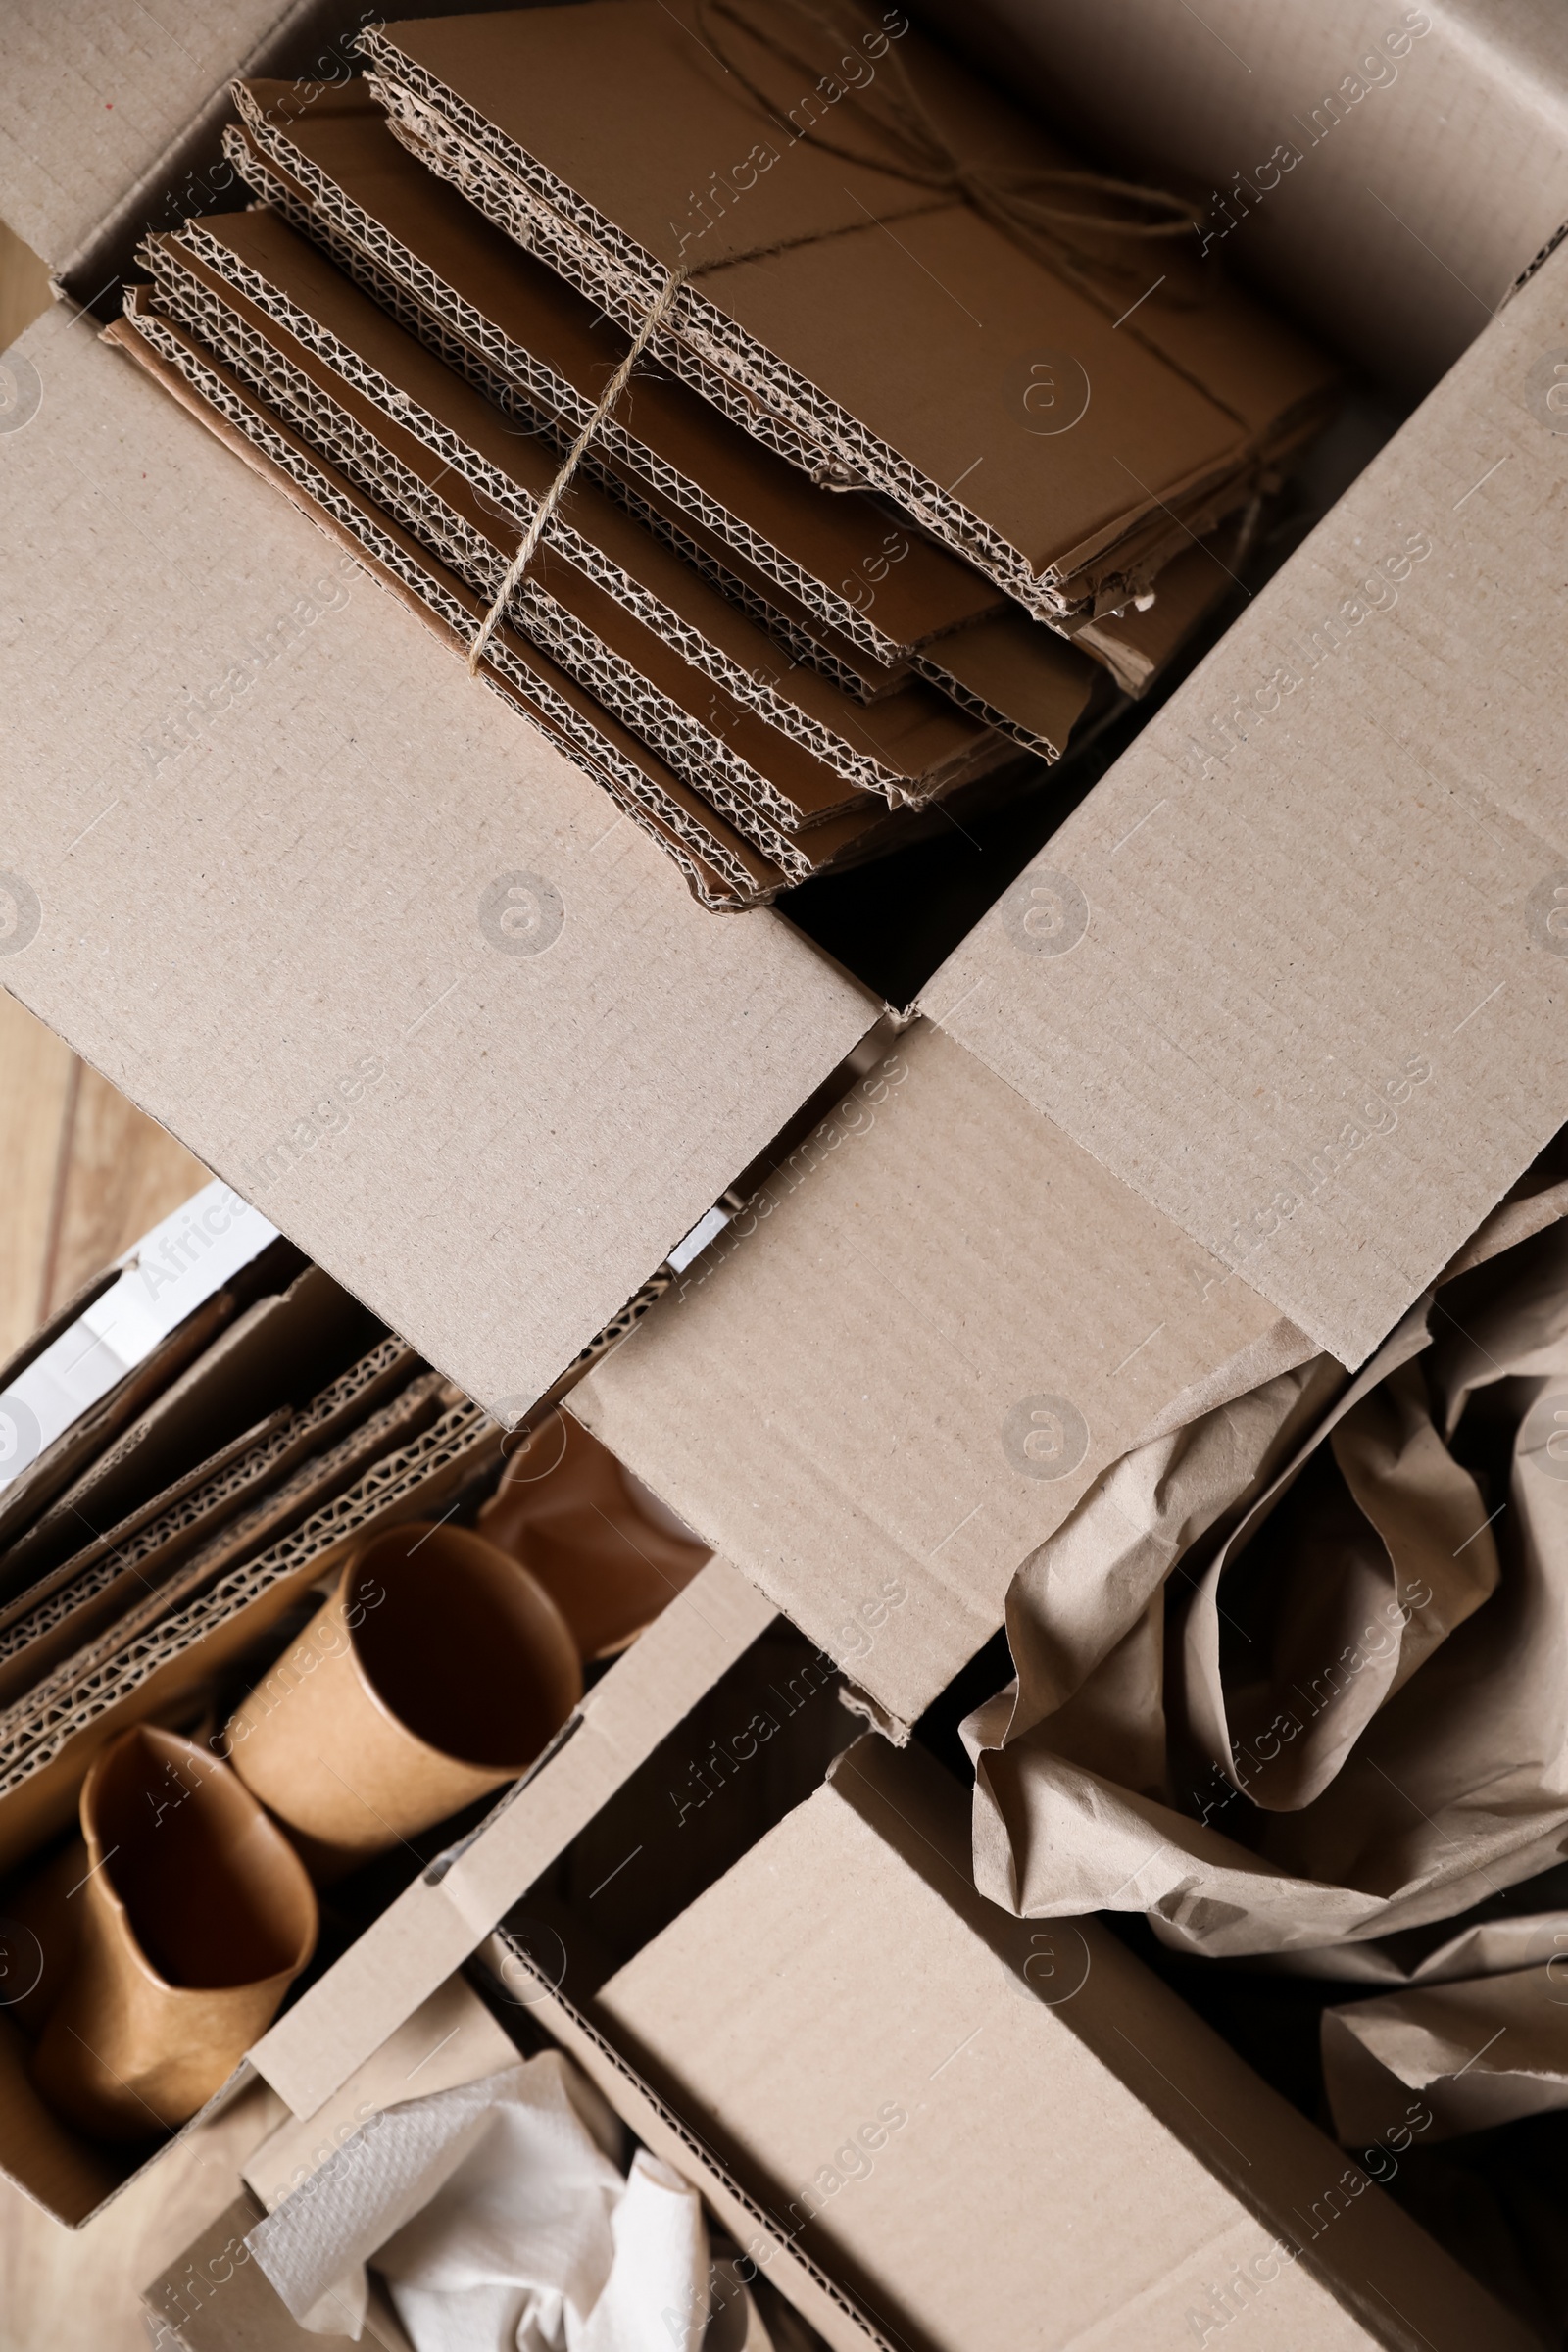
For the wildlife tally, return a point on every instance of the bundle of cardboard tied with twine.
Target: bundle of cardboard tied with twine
(1291, 1682)
(875, 478)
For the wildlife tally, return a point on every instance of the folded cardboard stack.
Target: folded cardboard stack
(687, 495)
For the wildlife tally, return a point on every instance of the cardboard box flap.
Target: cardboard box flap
(998, 2137)
(83, 119)
(1296, 969)
(385, 960)
(897, 1371)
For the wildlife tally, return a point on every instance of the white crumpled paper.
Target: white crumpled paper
(499, 2223)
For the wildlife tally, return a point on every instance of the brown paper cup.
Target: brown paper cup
(606, 1549)
(195, 1916)
(438, 1671)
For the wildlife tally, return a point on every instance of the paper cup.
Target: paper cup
(438, 1671)
(194, 1916)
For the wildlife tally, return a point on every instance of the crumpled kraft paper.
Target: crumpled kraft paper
(1480, 2051)
(499, 2223)
(1288, 1676)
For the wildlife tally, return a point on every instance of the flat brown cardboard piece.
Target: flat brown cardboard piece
(1296, 970)
(256, 675)
(797, 728)
(44, 1755)
(899, 1369)
(33, 1489)
(723, 868)
(329, 1468)
(246, 1371)
(60, 1610)
(913, 2084)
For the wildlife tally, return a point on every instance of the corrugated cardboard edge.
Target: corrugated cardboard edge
(838, 2319)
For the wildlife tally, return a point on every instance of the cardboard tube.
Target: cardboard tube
(438, 1671)
(195, 1916)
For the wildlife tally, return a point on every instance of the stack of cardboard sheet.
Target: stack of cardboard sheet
(761, 615)
(188, 1450)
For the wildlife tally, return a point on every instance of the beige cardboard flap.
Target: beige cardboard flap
(995, 2139)
(1296, 969)
(90, 102)
(897, 1372)
(437, 1923)
(314, 899)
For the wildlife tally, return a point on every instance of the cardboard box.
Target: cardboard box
(154, 1634)
(1238, 932)
(914, 2082)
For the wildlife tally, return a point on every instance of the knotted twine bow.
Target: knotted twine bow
(1013, 198)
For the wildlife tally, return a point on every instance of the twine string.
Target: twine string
(1020, 200)
(544, 512)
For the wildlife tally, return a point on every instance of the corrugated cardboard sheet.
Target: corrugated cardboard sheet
(845, 2010)
(1388, 169)
(899, 1370)
(386, 961)
(1296, 969)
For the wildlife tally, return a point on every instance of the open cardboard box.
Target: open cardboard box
(923, 2123)
(1226, 1075)
(194, 1339)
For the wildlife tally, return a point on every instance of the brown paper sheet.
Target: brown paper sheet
(1399, 1750)
(1479, 2051)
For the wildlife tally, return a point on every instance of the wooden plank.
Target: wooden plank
(38, 1081)
(121, 1174)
